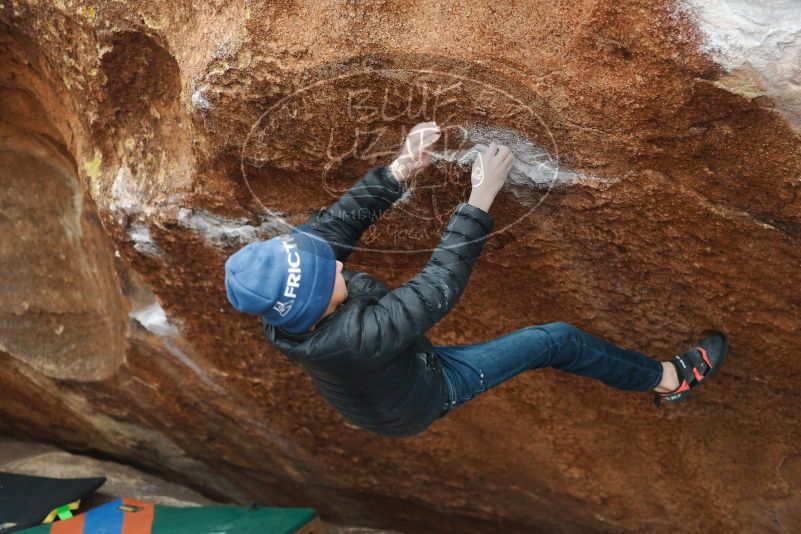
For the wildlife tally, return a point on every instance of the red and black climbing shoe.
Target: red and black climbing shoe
(695, 367)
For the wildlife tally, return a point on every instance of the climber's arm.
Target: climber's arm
(402, 315)
(343, 223)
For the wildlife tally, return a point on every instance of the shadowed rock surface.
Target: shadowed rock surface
(143, 142)
(34, 459)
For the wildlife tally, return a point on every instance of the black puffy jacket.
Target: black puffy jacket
(370, 358)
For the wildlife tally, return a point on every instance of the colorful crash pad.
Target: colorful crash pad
(129, 516)
(26, 501)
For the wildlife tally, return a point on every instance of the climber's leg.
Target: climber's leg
(472, 369)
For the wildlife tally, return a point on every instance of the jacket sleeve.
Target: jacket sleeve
(343, 223)
(400, 316)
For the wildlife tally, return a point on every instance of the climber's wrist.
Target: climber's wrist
(481, 199)
(395, 171)
(403, 168)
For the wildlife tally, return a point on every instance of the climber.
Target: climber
(365, 346)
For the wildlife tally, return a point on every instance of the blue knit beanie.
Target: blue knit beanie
(287, 280)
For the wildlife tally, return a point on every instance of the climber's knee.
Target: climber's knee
(553, 335)
(550, 344)
(564, 340)
(559, 331)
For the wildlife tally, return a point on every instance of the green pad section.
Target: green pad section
(230, 519)
(41, 529)
(216, 519)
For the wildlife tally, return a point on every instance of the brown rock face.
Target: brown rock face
(143, 142)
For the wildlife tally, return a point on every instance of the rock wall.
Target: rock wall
(656, 196)
(34, 459)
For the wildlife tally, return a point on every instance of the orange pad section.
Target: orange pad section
(71, 526)
(140, 522)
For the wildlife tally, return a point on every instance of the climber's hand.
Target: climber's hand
(416, 151)
(489, 174)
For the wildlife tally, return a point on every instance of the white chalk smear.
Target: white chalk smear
(533, 168)
(406, 197)
(759, 43)
(223, 231)
(199, 101)
(124, 195)
(154, 319)
(125, 202)
(143, 241)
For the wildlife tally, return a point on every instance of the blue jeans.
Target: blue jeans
(473, 369)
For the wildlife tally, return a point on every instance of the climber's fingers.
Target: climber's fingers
(416, 152)
(429, 138)
(508, 159)
(420, 139)
(503, 152)
(425, 130)
(423, 125)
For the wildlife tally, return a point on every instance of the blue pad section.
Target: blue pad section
(106, 519)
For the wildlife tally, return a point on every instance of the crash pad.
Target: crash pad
(26, 500)
(129, 516)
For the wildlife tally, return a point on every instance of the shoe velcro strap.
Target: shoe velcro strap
(693, 366)
(686, 369)
(697, 361)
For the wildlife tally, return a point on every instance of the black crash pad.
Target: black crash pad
(25, 500)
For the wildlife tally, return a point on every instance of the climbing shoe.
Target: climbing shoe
(695, 366)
